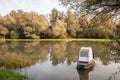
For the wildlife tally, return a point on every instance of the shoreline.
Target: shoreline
(83, 39)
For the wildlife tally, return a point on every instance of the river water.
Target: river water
(58, 60)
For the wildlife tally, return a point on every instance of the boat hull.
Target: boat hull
(85, 65)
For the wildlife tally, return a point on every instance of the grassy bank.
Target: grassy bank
(9, 75)
(93, 40)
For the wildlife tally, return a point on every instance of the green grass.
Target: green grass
(10, 75)
(93, 40)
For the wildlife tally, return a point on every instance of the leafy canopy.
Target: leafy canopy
(94, 6)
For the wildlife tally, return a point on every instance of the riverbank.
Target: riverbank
(10, 75)
(92, 40)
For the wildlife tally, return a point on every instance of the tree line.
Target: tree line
(30, 25)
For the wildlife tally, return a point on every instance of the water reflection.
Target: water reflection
(28, 53)
(114, 47)
(114, 75)
(41, 60)
(84, 74)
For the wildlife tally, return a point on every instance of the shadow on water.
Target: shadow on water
(84, 74)
(40, 60)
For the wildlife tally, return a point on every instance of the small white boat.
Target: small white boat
(86, 58)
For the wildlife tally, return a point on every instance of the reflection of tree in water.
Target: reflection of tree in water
(84, 74)
(21, 54)
(99, 50)
(102, 53)
(72, 52)
(13, 60)
(29, 53)
(34, 50)
(114, 75)
(58, 52)
(114, 48)
(3, 48)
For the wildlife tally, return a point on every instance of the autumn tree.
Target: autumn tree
(0, 19)
(54, 16)
(72, 23)
(57, 24)
(3, 32)
(59, 29)
(25, 25)
(83, 26)
(99, 27)
(95, 7)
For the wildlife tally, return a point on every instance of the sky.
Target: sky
(38, 6)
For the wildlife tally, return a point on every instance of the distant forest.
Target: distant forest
(30, 25)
